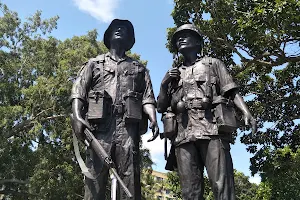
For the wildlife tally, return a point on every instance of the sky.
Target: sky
(150, 20)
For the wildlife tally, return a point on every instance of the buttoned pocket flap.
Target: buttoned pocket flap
(108, 69)
(201, 77)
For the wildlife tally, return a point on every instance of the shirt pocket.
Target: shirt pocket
(108, 73)
(200, 78)
(108, 69)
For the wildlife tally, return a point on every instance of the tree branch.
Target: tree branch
(258, 59)
(3, 181)
(225, 41)
(230, 46)
(279, 61)
(13, 192)
(30, 122)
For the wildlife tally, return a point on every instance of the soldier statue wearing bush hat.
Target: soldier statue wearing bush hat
(113, 97)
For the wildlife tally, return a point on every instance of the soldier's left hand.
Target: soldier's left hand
(155, 131)
(249, 119)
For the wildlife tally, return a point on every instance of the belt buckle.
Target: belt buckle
(197, 103)
(190, 104)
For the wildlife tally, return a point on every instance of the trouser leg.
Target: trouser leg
(127, 160)
(219, 167)
(190, 171)
(95, 189)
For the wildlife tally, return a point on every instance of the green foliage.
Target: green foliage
(264, 191)
(36, 153)
(281, 175)
(148, 184)
(244, 189)
(151, 186)
(264, 35)
(173, 184)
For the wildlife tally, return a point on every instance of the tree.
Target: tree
(173, 184)
(36, 152)
(281, 180)
(264, 36)
(243, 188)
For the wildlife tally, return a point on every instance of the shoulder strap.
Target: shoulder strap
(84, 169)
(208, 62)
(101, 60)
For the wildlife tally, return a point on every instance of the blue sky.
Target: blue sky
(150, 20)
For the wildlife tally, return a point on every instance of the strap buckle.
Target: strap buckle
(118, 109)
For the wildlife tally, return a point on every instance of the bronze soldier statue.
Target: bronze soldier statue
(197, 99)
(113, 97)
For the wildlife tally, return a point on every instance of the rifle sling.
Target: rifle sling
(84, 169)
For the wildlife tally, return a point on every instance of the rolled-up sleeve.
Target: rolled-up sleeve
(82, 83)
(225, 79)
(148, 96)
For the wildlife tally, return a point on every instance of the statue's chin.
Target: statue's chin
(119, 41)
(187, 49)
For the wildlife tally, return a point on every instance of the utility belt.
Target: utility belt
(196, 104)
(222, 108)
(101, 106)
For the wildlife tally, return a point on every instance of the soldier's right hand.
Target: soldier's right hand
(78, 125)
(172, 74)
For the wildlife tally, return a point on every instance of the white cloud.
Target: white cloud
(255, 179)
(102, 10)
(156, 147)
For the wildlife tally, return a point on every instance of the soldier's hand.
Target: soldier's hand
(155, 131)
(173, 73)
(249, 120)
(78, 125)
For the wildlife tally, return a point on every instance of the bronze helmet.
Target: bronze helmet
(185, 27)
(130, 28)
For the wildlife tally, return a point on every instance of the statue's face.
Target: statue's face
(119, 33)
(187, 40)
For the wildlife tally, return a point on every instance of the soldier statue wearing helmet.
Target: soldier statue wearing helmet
(113, 97)
(197, 98)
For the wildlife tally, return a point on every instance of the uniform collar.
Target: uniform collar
(108, 55)
(197, 60)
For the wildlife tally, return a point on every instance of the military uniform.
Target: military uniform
(198, 142)
(113, 86)
(198, 123)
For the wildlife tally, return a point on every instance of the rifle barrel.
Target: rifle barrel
(113, 170)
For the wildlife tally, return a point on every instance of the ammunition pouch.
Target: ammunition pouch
(133, 107)
(225, 115)
(194, 104)
(170, 125)
(99, 107)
